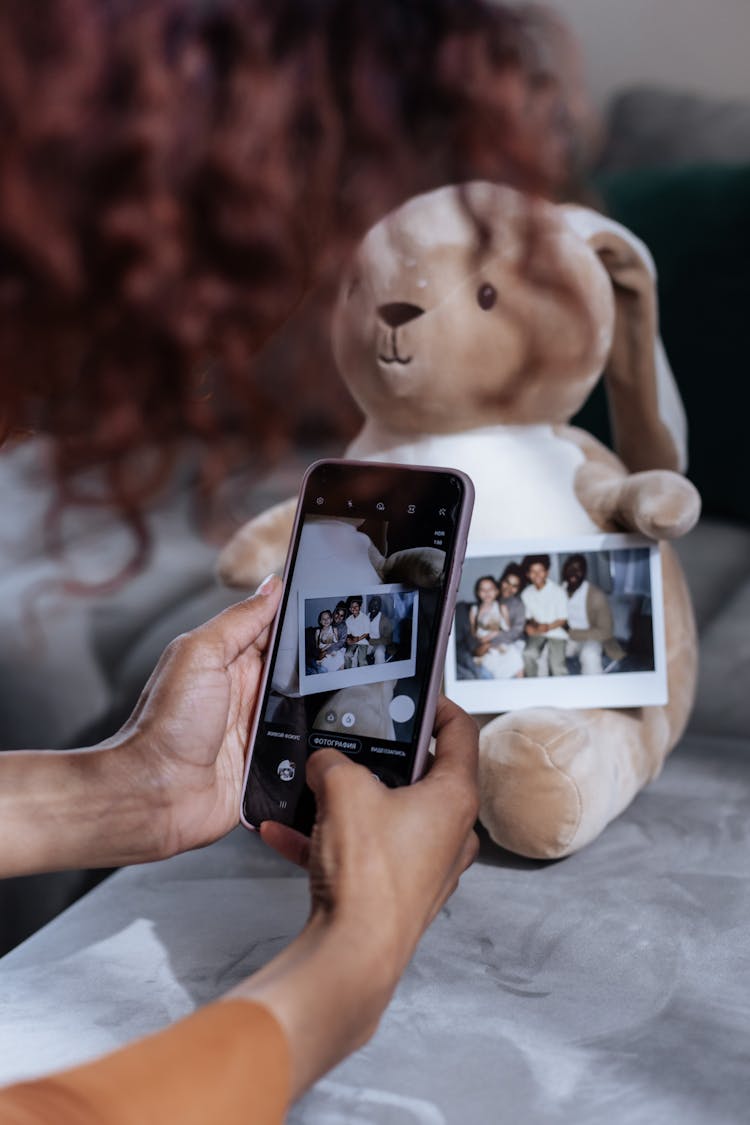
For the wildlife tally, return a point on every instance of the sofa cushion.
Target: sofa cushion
(654, 127)
(716, 560)
(696, 222)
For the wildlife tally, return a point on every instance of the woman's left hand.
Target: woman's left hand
(169, 780)
(188, 735)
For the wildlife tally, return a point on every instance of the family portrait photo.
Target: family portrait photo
(360, 637)
(571, 624)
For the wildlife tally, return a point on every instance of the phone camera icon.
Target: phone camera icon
(320, 500)
(347, 719)
(380, 506)
(411, 509)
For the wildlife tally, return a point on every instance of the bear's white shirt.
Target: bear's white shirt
(523, 475)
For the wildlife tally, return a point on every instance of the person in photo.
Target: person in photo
(467, 646)
(590, 626)
(357, 634)
(380, 631)
(325, 638)
(334, 657)
(490, 624)
(511, 584)
(546, 606)
(338, 650)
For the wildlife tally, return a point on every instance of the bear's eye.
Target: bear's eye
(486, 296)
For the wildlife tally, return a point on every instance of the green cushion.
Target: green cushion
(696, 222)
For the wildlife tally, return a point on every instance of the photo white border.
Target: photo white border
(620, 689)
(318, 682)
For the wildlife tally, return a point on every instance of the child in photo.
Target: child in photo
(490, 624)
(325, 638)
(357, 634)
(546, 606)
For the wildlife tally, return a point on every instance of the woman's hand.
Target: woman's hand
(367, 858)
(188, 735)
(382, 863)
(168, 781)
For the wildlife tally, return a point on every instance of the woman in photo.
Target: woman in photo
(339, 624)
(511, 584)
(332, 659)
(512, 639)
(490, 623)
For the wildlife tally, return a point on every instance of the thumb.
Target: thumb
(243, 625)
(329, 770)
(289, 843)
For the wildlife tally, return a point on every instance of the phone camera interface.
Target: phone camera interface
(353, 652)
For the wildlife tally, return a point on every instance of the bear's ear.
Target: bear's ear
(648, 419)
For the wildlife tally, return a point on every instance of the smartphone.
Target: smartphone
(357, 652)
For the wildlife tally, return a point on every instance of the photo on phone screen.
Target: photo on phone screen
(371, 563)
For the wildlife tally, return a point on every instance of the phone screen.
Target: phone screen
(353, 653)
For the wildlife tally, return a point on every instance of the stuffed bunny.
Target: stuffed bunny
(471, 326)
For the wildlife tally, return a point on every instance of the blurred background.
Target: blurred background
(683, 45)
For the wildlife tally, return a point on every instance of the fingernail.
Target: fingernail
(266, 585)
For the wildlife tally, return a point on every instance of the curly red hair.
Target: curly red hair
(176, 174)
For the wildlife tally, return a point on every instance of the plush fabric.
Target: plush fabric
(696, 222)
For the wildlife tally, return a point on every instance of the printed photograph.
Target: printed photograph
(360, 637)
(564, 624)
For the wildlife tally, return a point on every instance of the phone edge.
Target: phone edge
(272, 641)
(441, 646)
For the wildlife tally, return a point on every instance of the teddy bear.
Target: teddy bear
(471, 325)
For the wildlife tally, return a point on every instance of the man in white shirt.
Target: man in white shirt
(357, 634)
(546, 606)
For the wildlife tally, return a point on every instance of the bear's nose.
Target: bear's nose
(398, 313)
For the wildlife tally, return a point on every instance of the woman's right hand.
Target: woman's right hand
(382, 863)
(367, 859)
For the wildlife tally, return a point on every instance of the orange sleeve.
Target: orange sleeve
(229, 1062)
